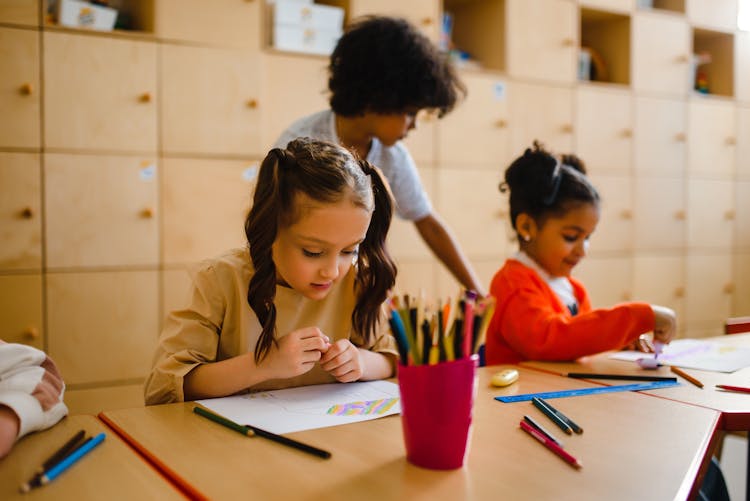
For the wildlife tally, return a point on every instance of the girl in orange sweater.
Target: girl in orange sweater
(542, 312)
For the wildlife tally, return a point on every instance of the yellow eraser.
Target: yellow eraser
(504, 377)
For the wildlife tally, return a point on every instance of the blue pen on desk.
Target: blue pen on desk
(70, 460)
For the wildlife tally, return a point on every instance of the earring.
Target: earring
(526, 238)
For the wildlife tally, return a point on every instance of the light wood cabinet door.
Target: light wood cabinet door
(541, 112)
(424, 14)
(211, 102)
(175, 291)
(609, 280)
(720, 14)
(604, 140)
(659, 213)
(743, 143)
(469, 201)
(661, 54)
(742, 66)
(416, 276)
(24, 12)
(542, 39)
(615, 229)
(476, 133)
(20, 96)
(99, 93)
(742, 225)
(713, 136)
(20, 212)
(422, 141)
(225, 23)
(103, 326)
(404, 241)
(21, 309)
(708, 297)
(449, 288)
(205, 204)
(741, 281)
(101, 212)
(660, 279)
(660, 136)
(624, 6)
(711, 214)
(285, 97)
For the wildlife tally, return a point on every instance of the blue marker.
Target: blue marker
(66, 463)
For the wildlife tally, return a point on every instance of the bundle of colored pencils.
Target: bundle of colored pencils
(427, 335)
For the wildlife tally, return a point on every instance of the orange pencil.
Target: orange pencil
(686, 376)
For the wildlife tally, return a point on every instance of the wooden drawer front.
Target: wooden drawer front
(100, 93)
(541, 112)
(713, 138)
(103, 326)
(20, 212)
(424, 14)
(661, 54)
(24, 12)
(660, 136)
(660, 216)
(20, 96)
(476, 132)
(21, 309)
(232, 23)
(660, 279)
(615, 229)
(708, 290)
(711, 214)
(608, 280)
(100, 211)
(211, 100)
(604, 142)
(205, 205)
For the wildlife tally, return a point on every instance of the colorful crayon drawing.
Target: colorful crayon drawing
(361, 408)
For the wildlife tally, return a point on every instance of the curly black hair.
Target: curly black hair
(386, 65)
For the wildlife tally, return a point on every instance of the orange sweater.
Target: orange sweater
(531, 323)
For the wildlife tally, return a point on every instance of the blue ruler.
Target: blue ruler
(588, 391)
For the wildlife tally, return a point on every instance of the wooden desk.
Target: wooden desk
(628, 440)
(110, 471)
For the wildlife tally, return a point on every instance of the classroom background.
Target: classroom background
(128, 155)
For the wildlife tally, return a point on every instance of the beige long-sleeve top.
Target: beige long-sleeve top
(217, 324)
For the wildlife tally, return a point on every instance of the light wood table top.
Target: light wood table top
(734, 407)
(628, 442)
(110, 471)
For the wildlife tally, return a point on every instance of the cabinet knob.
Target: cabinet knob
(31, 332)
(626, 133)
(567, 129)
(626, 295)
(147, 213)
(568, 42)
(626, 214)
(679, 215)
(680, 137)
(729, 215)
(27, 213)
(502, 213)
(145, 97)
(682, 58)
(501, 124)
(427, 21)
(252, 103)
(730, 141)
(26, 89)
(679, 291)
(728, 288)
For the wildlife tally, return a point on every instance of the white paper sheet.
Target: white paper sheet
(309, 407)
(696, 354)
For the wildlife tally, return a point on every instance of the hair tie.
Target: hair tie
(556, 180)
(366, 167)
(284, 157)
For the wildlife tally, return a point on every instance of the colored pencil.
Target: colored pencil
(741, 389)
(69, 460)
(622, 377)
(566, 419)
(542, 430)
(542, 406)
(686, 376)
(224, 421)
(549, 444)
(55, 458)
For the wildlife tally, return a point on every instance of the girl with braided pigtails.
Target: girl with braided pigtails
(304, 302)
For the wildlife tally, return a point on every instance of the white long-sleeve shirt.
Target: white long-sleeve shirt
(21, 371)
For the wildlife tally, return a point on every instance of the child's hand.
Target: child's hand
(297, 352)
(342, 361)
(665, 324)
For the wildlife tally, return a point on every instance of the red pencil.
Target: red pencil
(733, 388)
(549, 444)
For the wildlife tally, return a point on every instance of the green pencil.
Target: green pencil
(224, 421)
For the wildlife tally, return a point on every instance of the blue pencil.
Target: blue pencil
(70, 460)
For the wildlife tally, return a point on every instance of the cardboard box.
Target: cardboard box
(79, 14)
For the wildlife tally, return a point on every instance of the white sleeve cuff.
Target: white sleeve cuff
(30, 413)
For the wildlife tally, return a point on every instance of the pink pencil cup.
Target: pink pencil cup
(436, 411)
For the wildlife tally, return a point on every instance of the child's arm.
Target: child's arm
(296, 354)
